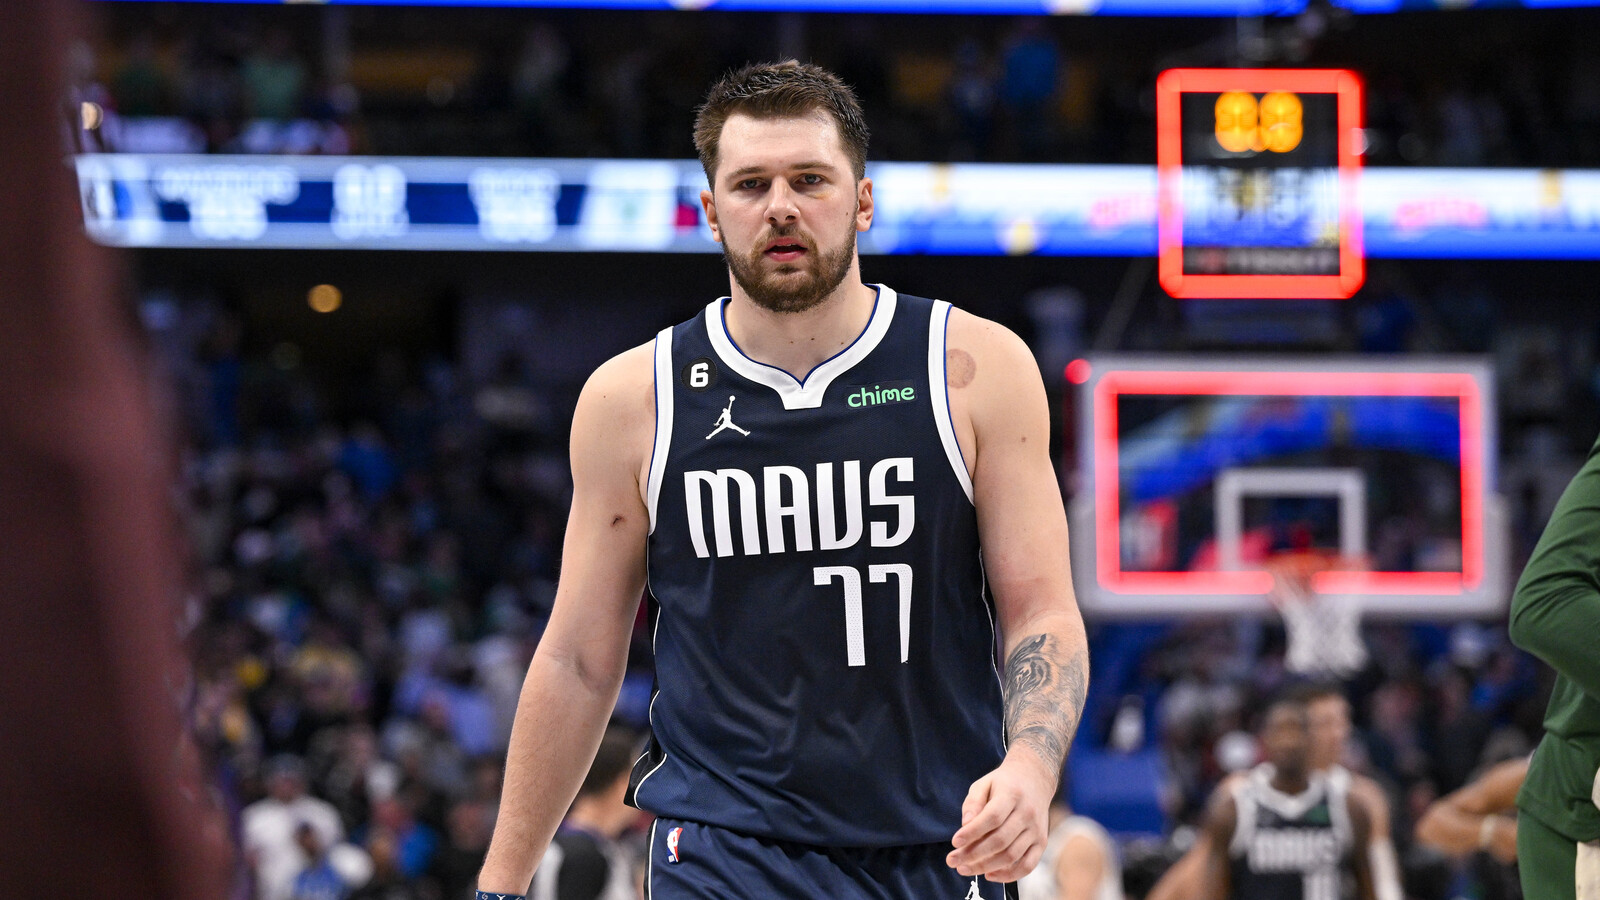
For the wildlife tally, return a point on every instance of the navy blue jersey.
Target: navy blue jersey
(1292, 847)
(825, 650)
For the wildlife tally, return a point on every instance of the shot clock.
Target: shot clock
(1256, 172)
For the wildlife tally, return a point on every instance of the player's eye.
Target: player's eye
(749, 184)
(811, 178)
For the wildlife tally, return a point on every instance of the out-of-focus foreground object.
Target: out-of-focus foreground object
(97, 793)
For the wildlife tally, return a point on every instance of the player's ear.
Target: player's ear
(864, 206)
(709, 205)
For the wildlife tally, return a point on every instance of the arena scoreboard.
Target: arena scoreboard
(1257, 173)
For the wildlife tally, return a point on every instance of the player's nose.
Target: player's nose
(781, 206)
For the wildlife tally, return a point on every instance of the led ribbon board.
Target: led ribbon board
(1257, 183)
(603, 206)
(1195, 474)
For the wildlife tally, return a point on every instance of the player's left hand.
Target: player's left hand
(1005, 820)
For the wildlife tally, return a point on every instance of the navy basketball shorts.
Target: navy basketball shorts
(693, 861)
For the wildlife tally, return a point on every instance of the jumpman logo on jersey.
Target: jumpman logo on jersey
(972, 892)
(726, 421)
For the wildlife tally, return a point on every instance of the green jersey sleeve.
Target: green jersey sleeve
(1555, 612)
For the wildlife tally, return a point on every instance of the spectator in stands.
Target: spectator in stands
(270, 826)
(323, 878)
(413, 843)
(366, 458)
(274, 78)
(140, 85)
(389, 880)
(1460, 732)
(973, 100)
(455, 867)
(211, 95)
(359, 775)
(538, 87)
(1028, 86)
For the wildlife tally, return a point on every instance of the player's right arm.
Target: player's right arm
(1381, 856)
(572, 683)
(1216, 835)
(1555, 612)
(1474, 817)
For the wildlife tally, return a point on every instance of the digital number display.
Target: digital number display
(1275, 123)
(1256, 172)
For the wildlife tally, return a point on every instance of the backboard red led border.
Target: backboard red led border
(1170, 87)
(1479, 588)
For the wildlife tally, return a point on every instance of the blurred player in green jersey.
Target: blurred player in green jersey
(1555, 614)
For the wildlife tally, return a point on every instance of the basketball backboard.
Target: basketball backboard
(1194, 472)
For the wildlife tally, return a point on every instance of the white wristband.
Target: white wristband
(1486, 831)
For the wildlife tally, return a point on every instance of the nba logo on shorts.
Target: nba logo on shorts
(672, 844)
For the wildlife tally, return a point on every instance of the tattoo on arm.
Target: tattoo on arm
(1044, 693)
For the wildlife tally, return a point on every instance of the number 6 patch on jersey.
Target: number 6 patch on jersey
(700, 374)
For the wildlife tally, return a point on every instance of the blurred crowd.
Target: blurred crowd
(366, 597)
(373, 561)
(1458, 89)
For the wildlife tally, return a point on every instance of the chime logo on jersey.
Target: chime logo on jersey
(789, 501)
(880, 394)
(672, 844)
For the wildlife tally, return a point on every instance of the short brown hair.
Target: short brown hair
(780, 90)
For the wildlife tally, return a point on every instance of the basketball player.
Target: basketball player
(829, 719)
(1285, 831)
(1328, 715)
(1555, 614)
(1328, 718)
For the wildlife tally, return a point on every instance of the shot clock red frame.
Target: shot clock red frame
(1170, 87)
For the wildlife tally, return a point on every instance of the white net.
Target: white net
(1323, 630)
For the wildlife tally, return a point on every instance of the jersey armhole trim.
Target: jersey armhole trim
(1244, 818)
(663, 439)
(938, 327)
(1339, 800)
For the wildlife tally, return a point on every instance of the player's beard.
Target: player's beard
(824, 274)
